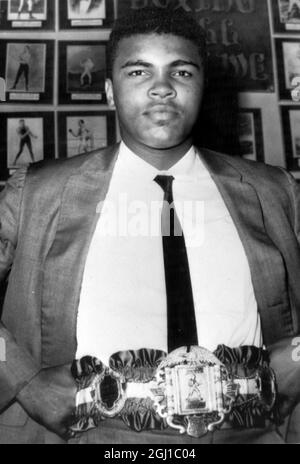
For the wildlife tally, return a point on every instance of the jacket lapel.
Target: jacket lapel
(64, 265)
(265, 261)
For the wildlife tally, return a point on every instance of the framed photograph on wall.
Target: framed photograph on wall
(86, 13)
(28, 70)
(288, 63)
(82, 132)
(250, 134)
(27, 14)
(286, 15)
(82, 72)
(291, 130)
(27, 138)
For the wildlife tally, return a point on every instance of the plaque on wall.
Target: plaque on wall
(288, 65)
(286, 15)
(26, 138)
(27, 14)
(82, 72)
(291, 130)
(238, 36)
(85, 131)
(28, 70)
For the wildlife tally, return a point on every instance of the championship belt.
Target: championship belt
(191, 391)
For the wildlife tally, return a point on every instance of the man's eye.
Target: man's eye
(137, 72)
(182, 73)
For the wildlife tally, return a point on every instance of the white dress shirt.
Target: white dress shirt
(123, 296)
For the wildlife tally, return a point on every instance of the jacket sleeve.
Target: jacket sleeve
(285, 354)
(16, 366)
(294, 192)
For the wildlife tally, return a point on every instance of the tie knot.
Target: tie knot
(165, 182)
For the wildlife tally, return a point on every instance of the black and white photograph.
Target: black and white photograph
(84, 132)
(291, 121)
(27, 10)
(150, 225)
(27, 14)
(25, 141)
(26, 138)
(82, 72)
(288, 65)
(295, 132)
(85, 68)
(86, 9)
(86, 13)
(250, 134)
(291, 57)
(286, 15)
(291, 129)
(26, 67)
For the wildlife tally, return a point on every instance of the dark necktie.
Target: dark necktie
(182, 328)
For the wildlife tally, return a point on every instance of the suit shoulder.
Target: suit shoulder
(60, 168)
(57, 171)
(255, 169)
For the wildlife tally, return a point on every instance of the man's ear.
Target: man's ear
(109, 92)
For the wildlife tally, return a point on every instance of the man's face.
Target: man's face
(157, 89)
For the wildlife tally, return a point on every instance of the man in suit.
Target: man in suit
(79, 285)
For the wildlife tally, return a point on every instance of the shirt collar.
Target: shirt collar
(187, 168)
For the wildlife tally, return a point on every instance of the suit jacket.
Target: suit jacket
(48, 214)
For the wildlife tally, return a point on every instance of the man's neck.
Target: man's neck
(161, 159)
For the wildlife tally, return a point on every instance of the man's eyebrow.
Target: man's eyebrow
(145, 64)
(184, 63)
(131, 63)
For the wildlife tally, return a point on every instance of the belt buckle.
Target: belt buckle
(109, 391)
(190, 391)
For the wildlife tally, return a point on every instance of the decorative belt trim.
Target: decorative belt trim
(191, 389)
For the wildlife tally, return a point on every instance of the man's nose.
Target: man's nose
(162, 89)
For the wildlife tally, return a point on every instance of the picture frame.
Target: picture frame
(286, 16)
(28, 68)
(84, 131)
(288, 65)
(27, 14)
(86, 14)
(251, 134)
(82, 72)
(26, 137)
(290, 116)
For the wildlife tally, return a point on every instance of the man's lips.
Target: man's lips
(161, 113)
(161, 109)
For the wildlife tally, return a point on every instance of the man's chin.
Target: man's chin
(165, 142)
(168, 145)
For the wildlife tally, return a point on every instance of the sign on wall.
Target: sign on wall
(238, 34)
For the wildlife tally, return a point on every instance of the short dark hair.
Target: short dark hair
(159, 21)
